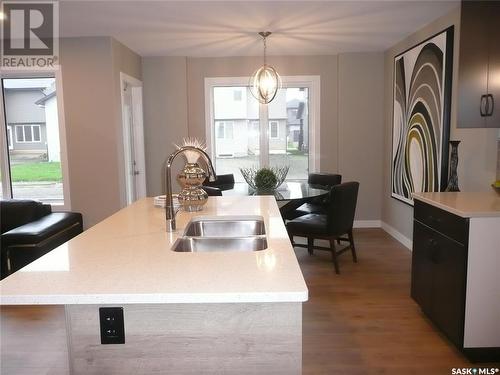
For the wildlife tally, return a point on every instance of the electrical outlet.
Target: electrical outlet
(112, 325)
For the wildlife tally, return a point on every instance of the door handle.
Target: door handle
(490, 108)
(483, 106)
(136, 173)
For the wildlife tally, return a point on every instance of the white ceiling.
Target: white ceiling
(229, 28)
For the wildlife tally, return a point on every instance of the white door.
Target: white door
(133, 139)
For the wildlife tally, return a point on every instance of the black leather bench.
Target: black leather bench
(30, 229)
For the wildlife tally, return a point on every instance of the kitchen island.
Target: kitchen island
(205, 312)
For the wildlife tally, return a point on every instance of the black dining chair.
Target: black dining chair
(212, 191)
(335, 225)
(318, 205)
(222, 181)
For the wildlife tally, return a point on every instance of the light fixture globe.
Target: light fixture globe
(265, 81)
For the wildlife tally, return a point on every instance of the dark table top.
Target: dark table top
(289, 190)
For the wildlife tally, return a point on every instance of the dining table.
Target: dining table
(290, 195)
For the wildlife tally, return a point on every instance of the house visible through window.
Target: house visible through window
(237, 95)
(31, 122)
(288, 139)
(273, 129)
(28, 133)
(225, 129)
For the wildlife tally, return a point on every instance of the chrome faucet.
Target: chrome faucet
(169, 208)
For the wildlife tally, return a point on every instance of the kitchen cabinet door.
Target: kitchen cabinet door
(493, 121)
(449, 279)
(473, 65)
(422, 267)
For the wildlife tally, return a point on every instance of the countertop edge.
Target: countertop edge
(469, 214)
(204, 298)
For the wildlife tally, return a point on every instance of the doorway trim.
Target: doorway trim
(138, 138)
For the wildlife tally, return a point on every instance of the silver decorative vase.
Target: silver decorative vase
(192, 198)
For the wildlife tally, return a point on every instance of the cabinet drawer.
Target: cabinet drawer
(449, 224)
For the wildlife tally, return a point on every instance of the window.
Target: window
(225, 129)
(273, 129)
(33, 165)
(237, 95)
(9, 137)
(283, 132)
(28, 133)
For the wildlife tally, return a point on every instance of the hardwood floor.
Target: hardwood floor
(359, 322)
(363, 321)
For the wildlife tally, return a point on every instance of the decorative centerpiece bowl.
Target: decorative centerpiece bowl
(264, 179)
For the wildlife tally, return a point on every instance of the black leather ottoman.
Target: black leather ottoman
(30, 229)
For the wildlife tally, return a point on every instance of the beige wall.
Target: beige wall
(477, 150)
(175, 107)
(360, 136)
(93, 122)
(165, 114)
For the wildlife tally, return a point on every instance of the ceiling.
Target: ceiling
(229, 28)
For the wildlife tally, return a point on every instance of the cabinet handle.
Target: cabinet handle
(434, 250)
(434, 220)
(489, 111)
(483, 107)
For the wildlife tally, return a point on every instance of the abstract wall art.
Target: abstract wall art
(421, 117)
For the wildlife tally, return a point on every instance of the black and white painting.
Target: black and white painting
(421, 117)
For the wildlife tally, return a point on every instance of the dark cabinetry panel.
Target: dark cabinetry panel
(494, 63)
(450, 225)
(438, 279)
(478, 83)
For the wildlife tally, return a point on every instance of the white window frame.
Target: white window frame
(225, 125)
(9, 136)
(312, 83)
(32, 133)
(271, 123)
(55, 72)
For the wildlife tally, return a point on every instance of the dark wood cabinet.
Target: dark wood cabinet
(438, 279)
(479, 64)
(454, 276)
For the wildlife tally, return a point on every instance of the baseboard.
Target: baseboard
(367, 223)
(397, 235)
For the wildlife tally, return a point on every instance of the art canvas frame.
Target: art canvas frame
(421, 116)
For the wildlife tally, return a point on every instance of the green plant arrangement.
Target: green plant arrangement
(264, 178)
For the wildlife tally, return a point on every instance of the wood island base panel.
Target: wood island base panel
(260, 338)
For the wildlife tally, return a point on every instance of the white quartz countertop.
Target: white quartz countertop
(464, 204)
(127, 258)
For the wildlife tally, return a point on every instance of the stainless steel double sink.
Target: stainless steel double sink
(224, 234)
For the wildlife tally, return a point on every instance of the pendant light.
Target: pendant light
(265, 81)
